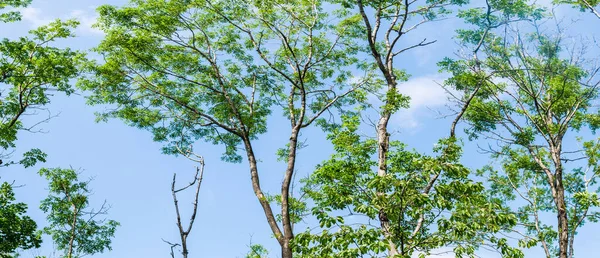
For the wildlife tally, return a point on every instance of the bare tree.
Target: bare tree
(184, 230)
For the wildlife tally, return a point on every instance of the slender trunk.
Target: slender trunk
(288, 234)
(386, 68)
(563, 226)
(559, 198)
(537, 227)
(555, 182)
(73, 228)
(383, 141)
(73, 222)
(260, 195)
(182, 233)
(184, 250)
(571, 242)
(383, 145)
(574, 229)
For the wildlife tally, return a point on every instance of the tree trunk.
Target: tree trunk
(383, 140)
(386, 67)
(563, 226)
(571, 243)
(286, 249)
(73, 226)
(288, 233)
(559, 199)
(261, 197)
(184, 250)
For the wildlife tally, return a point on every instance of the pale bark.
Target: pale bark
(385, 63)
(262, 199)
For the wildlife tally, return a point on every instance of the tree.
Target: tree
(184, 231)
(31, 68)
(216, 70)
(409, 193)
(17, 231)
(429, 202)
(11, 16)
(531, 99)
(383, 25)
(75, 229)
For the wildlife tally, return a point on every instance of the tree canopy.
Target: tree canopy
(514, 168)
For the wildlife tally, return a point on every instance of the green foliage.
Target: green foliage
(30, 158)
(216, 71)
(582, 5)
(257, 251)
(12, 16)
(29, 68)
(17, 231)
(190, 70)
(529, 96)
(429, 201)
(75, 229)
(298, 208)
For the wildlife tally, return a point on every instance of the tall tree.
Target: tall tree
(428, 201)
(75, 229)
(408, 188)
(384, 25)
(532, 99)
(215, 70)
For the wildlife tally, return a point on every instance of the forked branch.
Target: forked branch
(184, 231)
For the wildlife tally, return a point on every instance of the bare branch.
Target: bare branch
(185, 231)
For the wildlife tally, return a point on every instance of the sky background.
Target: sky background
(130, 172)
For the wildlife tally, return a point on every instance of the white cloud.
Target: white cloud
(37, 18)
(34, 17)
(424, 91)
(87, 20)
(425, 94)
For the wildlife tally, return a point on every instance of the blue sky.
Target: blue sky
(131, 174)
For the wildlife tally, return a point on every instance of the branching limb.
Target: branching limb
(184, 231)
